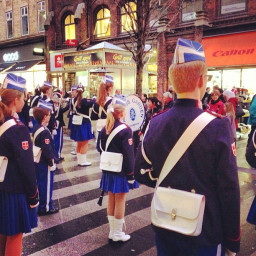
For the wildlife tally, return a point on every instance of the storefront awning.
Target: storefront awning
(23, 66)
(5, 66)
(230, 50)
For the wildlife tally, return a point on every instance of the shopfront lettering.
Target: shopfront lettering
(233, 52)
(11, 57)
(119, 59)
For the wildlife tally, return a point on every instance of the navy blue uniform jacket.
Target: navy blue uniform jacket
(96, 110)
(20, 175)
(45, 142)
(208, 166)
(121, 143)
(84, 108)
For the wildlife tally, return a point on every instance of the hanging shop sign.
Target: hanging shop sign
(79, 61)
(230, 50)
(72, 42)
(119, 59)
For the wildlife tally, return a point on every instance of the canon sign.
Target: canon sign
(11, 57)
(233, 52)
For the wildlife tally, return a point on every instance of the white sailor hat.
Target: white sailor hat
(119, 99)
(187, 51)
(12, 81)
(108, 78)
(44, 104)
(48, 84)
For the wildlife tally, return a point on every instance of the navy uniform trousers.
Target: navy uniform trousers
(45, 186)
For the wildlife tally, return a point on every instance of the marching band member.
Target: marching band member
(18, 190)
(104, 99)
(81, 129)
(59, 111)
(46, 89)
(117, 185)
(46, 166)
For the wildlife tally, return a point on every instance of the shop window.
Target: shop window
(24, 20)
(9, 25)
(102, 25)
(230, 6)
(41, 15)
(189, 9)
(231, 78)
(128, 17)
(70, 27)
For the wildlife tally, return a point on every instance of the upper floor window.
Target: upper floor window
(70, 27)
(41, 15)
(229, 6)
(24, 20)
(102, 25)
(189, 9)
(128, 17)
(9, 24)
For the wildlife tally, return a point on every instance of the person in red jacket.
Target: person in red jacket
(216, 105)
(231, 97)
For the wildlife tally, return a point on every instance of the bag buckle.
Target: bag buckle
(173, 214)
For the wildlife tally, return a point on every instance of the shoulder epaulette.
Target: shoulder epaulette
(159, 113)
(214, 114)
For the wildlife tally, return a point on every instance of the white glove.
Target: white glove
(30, 124)
(229, 253)
(131, 181)
(54, 132)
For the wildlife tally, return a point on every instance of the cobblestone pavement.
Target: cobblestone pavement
(81, 227)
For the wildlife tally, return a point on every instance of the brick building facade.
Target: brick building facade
(22, 30)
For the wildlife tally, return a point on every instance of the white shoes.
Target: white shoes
(81, 160)
(111, 220)
(117, 234)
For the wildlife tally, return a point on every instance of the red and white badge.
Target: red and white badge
(47, 141)
(24, 145)
(130, 141)
(233, 145)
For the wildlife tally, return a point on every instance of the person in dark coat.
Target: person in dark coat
(208, 167)
(117, 185)
(18, 188)
(168, 102)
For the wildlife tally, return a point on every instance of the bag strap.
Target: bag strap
(183, 143)
(6, 125)
(33, 101)
(41, 129)
(253, 136)
(80, 114)
(113, 134)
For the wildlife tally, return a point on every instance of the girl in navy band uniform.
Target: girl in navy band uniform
(46, 166)
(117, 185)
(81, 133)
(18, 191)
(104, 99)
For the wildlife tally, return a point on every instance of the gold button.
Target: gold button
(193, 190)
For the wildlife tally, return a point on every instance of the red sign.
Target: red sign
(58, 61)
(72, 42)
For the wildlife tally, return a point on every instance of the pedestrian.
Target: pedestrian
(216, 105)
(46, 166)
(168, 102)
(154, 106)
(230, 114)
(33, 103)
(18, 190)
(252, 118)
(117, 185)
(144, 99)
(207, 167)
(81, 129)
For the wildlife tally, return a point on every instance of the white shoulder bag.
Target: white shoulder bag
(77, 118)
(37, 151)
(3, 159)
(111, 161)
(177, 210)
